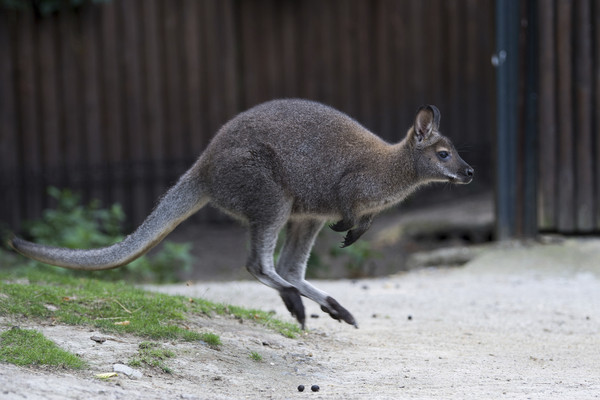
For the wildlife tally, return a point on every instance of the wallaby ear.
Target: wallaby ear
(427, 120)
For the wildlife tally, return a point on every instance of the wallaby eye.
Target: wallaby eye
(443, 154)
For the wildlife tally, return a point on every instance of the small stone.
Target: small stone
(130, 372)
(315, 388)
(301, 388)
(98, 339)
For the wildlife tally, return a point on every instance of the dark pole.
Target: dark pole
(506, 61)
(530, 153)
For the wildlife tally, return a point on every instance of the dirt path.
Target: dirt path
(521, 323)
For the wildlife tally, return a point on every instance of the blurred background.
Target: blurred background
(115, 99)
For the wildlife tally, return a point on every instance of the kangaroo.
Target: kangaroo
(288, 162)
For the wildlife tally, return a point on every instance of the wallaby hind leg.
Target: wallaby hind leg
(300, 237)
(263, 239)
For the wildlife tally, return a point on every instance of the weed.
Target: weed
(357, 257)
(152, 355)
(29, 347)
(211, 340)
(255, 356)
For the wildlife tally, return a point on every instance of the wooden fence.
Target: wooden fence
(117, 99)
(569, 118)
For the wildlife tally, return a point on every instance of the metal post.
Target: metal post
(506, 61)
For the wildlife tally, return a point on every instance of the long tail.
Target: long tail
(182, 200)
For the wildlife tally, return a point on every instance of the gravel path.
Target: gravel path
(514, 323)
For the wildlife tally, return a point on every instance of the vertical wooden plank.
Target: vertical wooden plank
(290, 47)
(136, 140)
(435, 49)
(229, 58)
(10, 166)
(583, 117)
(365, 57)
(383, 76)
(113, 107)
(153, 87)
(50, 124)
(347, 40)
(28, 94)
(596, 111)
(470, 123)
(417, 53)
(327, 58)
(547, 119)
(250, 53)
(453, 69)
(214, 64)
(403, 112)
(193, 65)
(95, 151)
(310, 47)
(71, 100)
(566, 173)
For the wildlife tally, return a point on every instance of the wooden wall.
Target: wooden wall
(569, 121)
(118, 99)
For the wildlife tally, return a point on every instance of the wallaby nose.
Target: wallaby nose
(470, 172)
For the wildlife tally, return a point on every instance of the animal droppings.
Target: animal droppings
(315, 388)
(301, 388)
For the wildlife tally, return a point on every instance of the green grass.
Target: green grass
(28, 347)
(255, 356)
(151, 354)
(117, 307)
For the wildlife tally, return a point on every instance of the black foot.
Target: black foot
(342, 226)
(350, 238)
(336, 311)
(292, 300)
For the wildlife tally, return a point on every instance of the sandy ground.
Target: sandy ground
(518, 323)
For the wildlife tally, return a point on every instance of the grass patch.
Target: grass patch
(255, 356)
(211, 340)
(26, 347)
(153, 355)
(117, 307)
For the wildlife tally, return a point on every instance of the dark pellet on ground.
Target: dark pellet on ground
(314, 316)
(315, 388)
(410, 317)
(301, 388)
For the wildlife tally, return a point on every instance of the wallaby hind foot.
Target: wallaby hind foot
(293, 163)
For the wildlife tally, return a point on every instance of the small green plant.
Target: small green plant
(74, 225)
(255, 356)
(357, 257)
(153, 355)
(28, 347)
(211, 340)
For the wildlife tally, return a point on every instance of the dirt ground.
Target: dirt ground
(516, 322)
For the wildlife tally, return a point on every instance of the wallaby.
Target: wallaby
(293, 162)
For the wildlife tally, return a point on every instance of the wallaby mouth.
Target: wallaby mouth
(463, 177)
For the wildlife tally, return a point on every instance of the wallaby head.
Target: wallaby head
(435, 158)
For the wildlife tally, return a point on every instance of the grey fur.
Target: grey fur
(293, 162)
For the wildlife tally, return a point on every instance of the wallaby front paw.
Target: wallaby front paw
(336, 311)
(350, 238)
(292, 300)
(341, 226)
